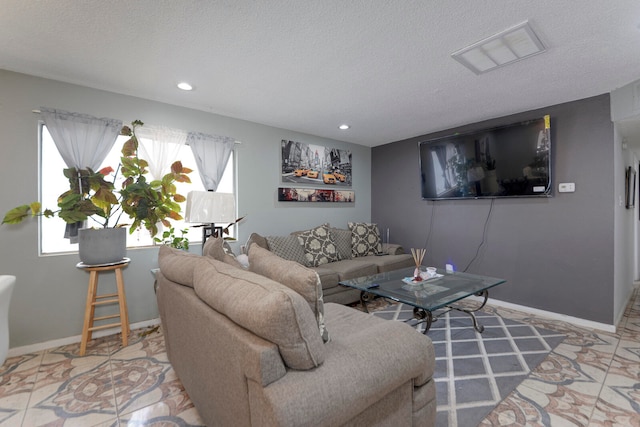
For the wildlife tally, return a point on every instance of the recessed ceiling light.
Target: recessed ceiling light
(185, 86)
(509, 46)
(344, 127)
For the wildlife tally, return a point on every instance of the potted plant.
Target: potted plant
(149, 203)
(91, 196)
(170, 238)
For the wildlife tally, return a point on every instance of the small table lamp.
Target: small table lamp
(210, 207)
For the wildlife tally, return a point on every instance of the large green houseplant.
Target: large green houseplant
(148, 203)
(91, 196)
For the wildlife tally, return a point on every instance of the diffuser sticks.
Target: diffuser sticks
(418, 255)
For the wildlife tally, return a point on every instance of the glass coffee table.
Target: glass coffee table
(427, 296)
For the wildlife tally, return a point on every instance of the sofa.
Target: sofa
(357, 251)
(249, 349)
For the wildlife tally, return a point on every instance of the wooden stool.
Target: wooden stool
(94, 299)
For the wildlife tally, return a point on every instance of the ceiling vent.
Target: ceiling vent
(509, 46)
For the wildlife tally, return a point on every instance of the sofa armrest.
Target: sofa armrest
(392, 249)
(262, 362)
(361, 368)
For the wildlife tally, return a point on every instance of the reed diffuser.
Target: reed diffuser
(418, 255)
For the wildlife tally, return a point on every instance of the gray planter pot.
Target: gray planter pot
(102, 245)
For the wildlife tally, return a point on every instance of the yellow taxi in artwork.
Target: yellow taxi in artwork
(339, 176)
(312, 174)
(328, 178)
(300, 172)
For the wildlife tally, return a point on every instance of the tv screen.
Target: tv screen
(505, 161)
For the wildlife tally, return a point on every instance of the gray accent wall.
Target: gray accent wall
(49, 298)
(557, 254)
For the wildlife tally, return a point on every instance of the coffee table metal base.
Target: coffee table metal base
(428, 317)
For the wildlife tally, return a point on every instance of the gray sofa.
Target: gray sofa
(249, 352)
(348, 266)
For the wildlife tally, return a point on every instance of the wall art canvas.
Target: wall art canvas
(308, 164)
(290, 194)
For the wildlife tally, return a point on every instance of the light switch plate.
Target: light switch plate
(566, 187)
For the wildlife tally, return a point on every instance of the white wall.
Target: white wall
(625, 113)
(48, 302)
(625, 102)
(624, 230)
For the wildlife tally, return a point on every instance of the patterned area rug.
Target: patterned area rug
(474, 372)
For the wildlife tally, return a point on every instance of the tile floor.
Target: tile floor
(591, 379)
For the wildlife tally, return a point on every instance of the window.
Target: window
(53, 183)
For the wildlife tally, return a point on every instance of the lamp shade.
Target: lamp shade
(210, 207)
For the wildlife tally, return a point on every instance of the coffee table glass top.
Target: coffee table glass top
(430, 294)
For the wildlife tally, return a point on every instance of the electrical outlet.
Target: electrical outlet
(566, 187)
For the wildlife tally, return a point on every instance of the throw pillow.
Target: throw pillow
(217, 248)
(178, 265)
(342, 238)
(287, 247)
(365, 239)
(294, 276)
(319, 246)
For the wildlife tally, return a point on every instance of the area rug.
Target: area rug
(474, 372)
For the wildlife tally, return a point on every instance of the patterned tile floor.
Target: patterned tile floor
(590, 379)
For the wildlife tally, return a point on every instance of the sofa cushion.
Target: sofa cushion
(287, 247)
(264, 307)
(218, 248)
(258, 240)
(350, 269)
(392, 249)
(365, 239)
(342, 238)
(341, 295)
(293, 275)
(177, 265)
(354, 331)
(388, 262)
(319, 246)
(328, 277)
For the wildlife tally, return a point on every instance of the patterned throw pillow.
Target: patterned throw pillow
(287, 247)
(342, 238)
(365, 239)
(319, 246)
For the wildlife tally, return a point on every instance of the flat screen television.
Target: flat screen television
(505, 161)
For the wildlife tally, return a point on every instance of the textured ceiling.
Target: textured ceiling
(384, 67)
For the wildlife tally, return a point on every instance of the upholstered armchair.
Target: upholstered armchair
(6, 287)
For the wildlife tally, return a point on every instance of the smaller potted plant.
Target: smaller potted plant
(170, 238)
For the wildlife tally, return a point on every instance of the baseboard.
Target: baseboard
(33, 348)
(583, 323)
(17, 351)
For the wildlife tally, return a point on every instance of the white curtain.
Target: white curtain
(211, 153)
(160, 146)
(83, 142)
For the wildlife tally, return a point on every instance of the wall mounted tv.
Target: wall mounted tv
(505, 161)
